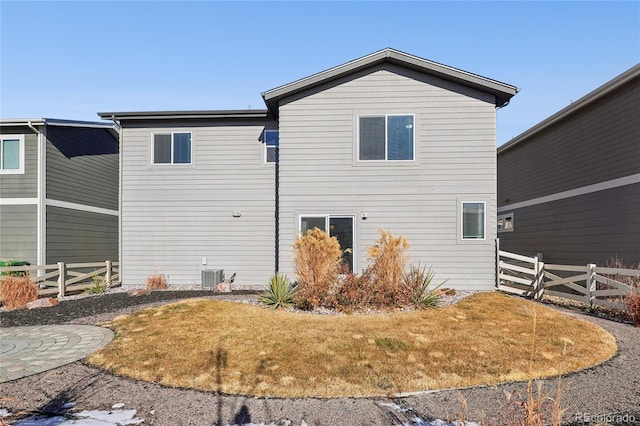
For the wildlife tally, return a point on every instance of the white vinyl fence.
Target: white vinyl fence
(61, 278)
(590, 284)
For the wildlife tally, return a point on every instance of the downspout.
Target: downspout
(120, 168)
(41, 212)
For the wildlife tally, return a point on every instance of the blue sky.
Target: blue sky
(73, 59)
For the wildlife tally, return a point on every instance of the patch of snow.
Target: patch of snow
(4, 412)
(118, 406)
(394, 406)
(85, 418)
(68, 405)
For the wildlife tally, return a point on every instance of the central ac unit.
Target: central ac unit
(211, 278)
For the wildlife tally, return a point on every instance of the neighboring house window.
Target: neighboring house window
(386, 137)
(505, 222)
(271, 143)
(340, 227)
(12, 154)
(473, 220)
(172, 148)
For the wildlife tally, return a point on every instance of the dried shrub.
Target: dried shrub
(633, 305)
(16, 292)
(354, 292)
(317, 259)
(156, 282)
(388, 257)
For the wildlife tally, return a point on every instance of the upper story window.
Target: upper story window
(12, 154)
(473, 220)
(172, 148)
(386, 137)
(271, 143)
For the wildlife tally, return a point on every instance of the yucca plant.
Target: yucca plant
(279, 293)
(99, 286)
(418, 284)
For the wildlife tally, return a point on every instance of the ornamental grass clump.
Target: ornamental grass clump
(388, 256)
(317, 259)
(16, 292)
(156, 282)
(280, 292)
(417, 283)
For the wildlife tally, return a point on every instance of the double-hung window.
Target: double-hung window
(12, 154)
(473, 220)
(388, 137)
(172, 148)
(271, 143)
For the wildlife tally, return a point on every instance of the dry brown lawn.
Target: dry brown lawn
(244, 349)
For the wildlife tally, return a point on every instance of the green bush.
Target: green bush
(279, 293)
(417, 283)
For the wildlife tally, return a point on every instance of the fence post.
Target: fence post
(107, 275)
(62, 273)
(497, 262)
(591, 282)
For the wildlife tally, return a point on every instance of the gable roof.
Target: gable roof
(588, 99)
(503, 92)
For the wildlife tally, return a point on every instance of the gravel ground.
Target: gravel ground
(607, 392)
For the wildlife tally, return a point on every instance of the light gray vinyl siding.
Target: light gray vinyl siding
(597, 143)
(591, 228)
(454, 161)
(82, 166)
(173, 216)
(18, 233)
(75, 236)
(22, 185)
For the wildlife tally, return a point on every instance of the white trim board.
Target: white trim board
(18, 201)
(81, 207)
(602, 186)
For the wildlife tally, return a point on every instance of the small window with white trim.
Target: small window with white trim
(12, 154)
(172, 148)
(505, 222)
(473, 220)
(388, 137)
(271, 144)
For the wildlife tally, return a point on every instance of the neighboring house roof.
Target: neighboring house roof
(583, 102)
(503, 92)
(29, 122)
(165, 115)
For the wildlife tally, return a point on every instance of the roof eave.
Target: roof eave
(169, 115)
(586, 100)
(503, 92)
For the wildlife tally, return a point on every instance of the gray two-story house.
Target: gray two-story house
(387, 141)
(58, 191)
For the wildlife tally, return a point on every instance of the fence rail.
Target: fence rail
(590, 284)
(61, 279)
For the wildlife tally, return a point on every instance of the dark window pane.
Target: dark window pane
(372, 138)
(307, 223)
(342, 229)
(162, 149)
(271, 137)
(272, 154)
(400, 137)
(182, 148)
(473, 220)
(10, 154)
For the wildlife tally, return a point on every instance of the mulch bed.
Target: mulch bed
(70, 310)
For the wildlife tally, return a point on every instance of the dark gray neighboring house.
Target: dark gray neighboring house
(569, 187)
(58, 191)
(387, 141)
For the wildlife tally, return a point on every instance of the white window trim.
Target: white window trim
(20, 169)
(264, 156)
(504, 217)
(327, 217)
(462, 237)
(386, 142)
(153, 163)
